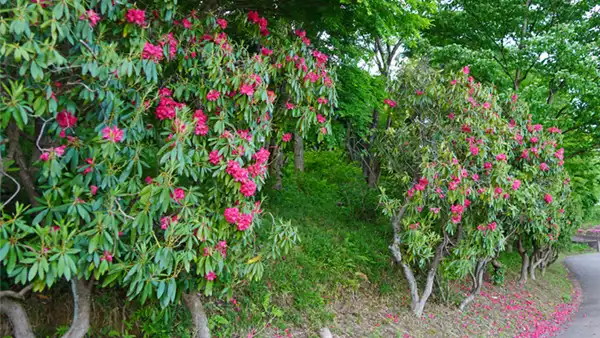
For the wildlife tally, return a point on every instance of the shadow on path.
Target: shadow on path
(587, 320)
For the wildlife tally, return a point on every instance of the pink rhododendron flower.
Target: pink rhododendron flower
(481, 227)
(475, 177)
(152, 52)
(248, 188)
(487, 166)
(236, 171)
(59, 151)
(390, 103)
(512, 124)
(501, 157)
(453, 82)
(533, 140)
(456, 218)
(213, 95)
(214, 157)
(466, 128)
(178, 195)
(93, 190)
(261, 156)
(148, 180)
(91, 16)
(266, 52)
(544, 167)
(45, 156)
(210, 276)
(487, 105)
(289, 106)
(492, 226)
(167, 108)
(222, 22)
(451, 116)
(457, 209)
(244, 222)
(286, 137)
(246, 89)
(498, 190)
(113, 134)
(538, 127)
(554, 130)
(321, 118)
(136, 16)
(474, 150)
(65, 119)
(232, 215)
(186, 23)
(322, 100)
(516, 184)
(548, 198)
(466, 70)
(107, 256)
(414, 226)
(434, 210)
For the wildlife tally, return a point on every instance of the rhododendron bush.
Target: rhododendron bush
(542, 217)
(451, 191)
(149, 131)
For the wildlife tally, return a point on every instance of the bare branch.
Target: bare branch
(17, 295)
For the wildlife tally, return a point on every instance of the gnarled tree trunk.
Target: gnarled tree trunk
(82, 292)
(524, 261)
(10, 305)
(298, 152)
(417, 301)
(276, 166)
(477, 279)
(199, 319)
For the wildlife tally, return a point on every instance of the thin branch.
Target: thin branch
(17, 295)
(88, 47)
(123, 212)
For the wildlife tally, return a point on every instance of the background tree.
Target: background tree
(544, 51)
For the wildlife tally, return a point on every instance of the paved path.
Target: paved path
(587, 320)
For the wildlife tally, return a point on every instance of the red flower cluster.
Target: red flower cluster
(302, 35)
(113, 134)
(167, 106)
(390, 103)
(91, 16)
(65, 119)
(213, 95)
(201, 126)
(136, 16)
(222, 22)
(260, 21)
(233, 216)
(178, 195)
(152, 52)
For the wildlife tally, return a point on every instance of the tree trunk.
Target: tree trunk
(371, 166)
(199, 320)
(276, 165)
(374, 172)
(298, 153)
(82, 291)
(437, 259)
(524, 261)
(477, 283)
(17, 316)
(15, 153)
